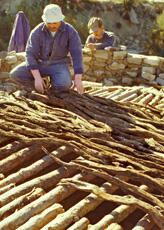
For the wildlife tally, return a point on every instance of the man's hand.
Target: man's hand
(40, 85)
(78, 83)
(91, 46)
(38, 81)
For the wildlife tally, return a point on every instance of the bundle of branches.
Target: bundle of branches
(112, 138)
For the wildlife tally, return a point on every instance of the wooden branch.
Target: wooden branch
(135, 175)
(41, 219)
(44, 182)
(145, 223)
(24, 173)
(156, 215)
(20, 202)
(123, 185)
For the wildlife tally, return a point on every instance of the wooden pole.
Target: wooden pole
(44, 182)
(34, 168)
(20, 202)
(59, 193)
(38, 221)
(82, 224)
(114, 226)
(6, 188)
(145, 223)
(117, 215)
(79, 210)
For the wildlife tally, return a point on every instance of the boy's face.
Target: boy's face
(53, 27)
(99, 33)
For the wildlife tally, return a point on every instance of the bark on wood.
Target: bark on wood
(82, 224)
(154, 212)
(113, 134)
(6, 188)
(126, 186)
(10, 148)
(44, 182)
(116, 216)
(56, 195)
(135, 175)
(20, 202)
(79, 210)
(36, 167)
(1, 176)
(16, 159)
(114, 226)
(38, 221)
(146, 223)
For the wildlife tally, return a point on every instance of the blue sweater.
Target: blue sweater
(43, 48)
(107, 39)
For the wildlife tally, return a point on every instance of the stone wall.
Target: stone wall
(112, 66)
(117, 66)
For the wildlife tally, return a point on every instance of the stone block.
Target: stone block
(101, 60)
(116, 66)
(148, 69)
(134, 58)
(87, 59)
(87, 51)
(132, 74)
(161, 75)
(119, 54)
(151, 60)
(160, 81)
(11, 59)
(127, 80)
(85, 67)
(98, 73)
(99, 65)
(101, 54)
(108, 82)
(148, 76)
(4, 76)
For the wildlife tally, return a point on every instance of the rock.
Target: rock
(148, 76)
(160, 81)
(133, 16)
(3, 54)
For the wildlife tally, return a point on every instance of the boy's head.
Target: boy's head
(94, 24)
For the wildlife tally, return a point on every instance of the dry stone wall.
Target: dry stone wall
(7, 62)
(112, 66)
(117, 66)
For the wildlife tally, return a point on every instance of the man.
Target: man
(46, 54)
(98, 38)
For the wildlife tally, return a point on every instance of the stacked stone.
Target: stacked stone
(111, 66)
(117, 66)
(7, 62)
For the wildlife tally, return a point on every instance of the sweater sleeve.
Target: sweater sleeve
(33, 50)
(108, 40)
(75, 49)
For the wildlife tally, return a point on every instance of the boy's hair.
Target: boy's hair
(94, 23)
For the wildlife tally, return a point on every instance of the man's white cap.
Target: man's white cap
(52, 13)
